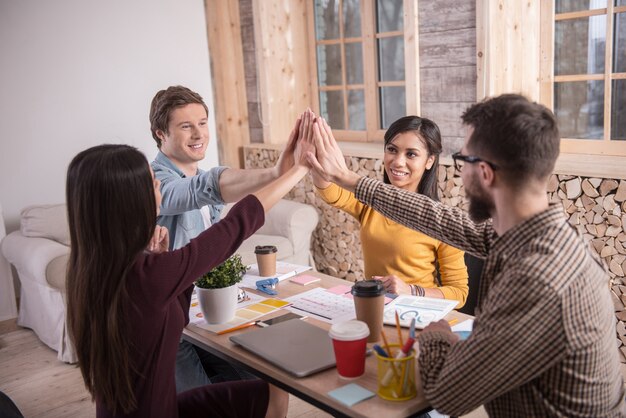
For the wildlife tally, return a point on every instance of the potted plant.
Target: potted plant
(217, 290)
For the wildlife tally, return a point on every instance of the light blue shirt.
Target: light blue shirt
(183, 197)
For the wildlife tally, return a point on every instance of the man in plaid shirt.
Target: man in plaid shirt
(543, 342)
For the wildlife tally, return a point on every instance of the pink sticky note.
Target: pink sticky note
(341, 289)
(304, 279)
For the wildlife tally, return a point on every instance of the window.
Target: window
(363, 52)
(589, 75)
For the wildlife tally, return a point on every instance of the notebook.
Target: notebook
(425, 310)
(295, 346)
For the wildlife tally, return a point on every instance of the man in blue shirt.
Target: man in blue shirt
(193, 199)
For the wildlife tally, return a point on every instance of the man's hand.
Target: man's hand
(443, 327)
(328, 160)
(160, 240)
(286, 159)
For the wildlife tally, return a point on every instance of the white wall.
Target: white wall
(76, 73)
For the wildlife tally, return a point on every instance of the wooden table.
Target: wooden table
(313, 389)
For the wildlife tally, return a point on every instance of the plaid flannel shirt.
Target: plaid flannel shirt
(543, 342)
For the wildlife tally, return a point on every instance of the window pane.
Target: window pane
(351, 19)
(356, 110)
(392, 105)
(619, 43)
(389, 15)
(354, 63)
(326, 19)
(565, 6)
(329, 65)
(580, 45)
(579, 109)
(620, 2)
(391, 58)
(331, 108)
(618, 110)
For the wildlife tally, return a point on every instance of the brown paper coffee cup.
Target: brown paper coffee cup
(369, 303)
(266, 259)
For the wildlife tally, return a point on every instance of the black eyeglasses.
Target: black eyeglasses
(459, 159)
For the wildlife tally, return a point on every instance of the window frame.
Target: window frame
(605, 145)
(370, 84)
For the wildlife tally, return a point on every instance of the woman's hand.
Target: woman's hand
(160, 241)
(394, 284)
(305, 138)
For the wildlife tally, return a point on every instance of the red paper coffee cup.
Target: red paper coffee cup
(349, 342)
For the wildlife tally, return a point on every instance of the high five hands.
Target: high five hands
(317, 146)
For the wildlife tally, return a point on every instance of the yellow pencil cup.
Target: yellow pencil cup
(396, 377)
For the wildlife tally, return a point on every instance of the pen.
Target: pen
(412, 328)
(381, 352)
(406, 349)
(235, 328)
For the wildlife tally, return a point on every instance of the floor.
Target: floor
(42, 386)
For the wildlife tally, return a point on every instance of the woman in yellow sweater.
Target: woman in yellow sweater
(404, 259)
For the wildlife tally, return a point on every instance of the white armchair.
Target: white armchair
(40, 250)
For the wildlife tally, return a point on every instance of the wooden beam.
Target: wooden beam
(281, 31)
(227, 68)
(508, 35)
(412, 57)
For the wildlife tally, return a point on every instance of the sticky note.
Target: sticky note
(351, 394)
(304, 279)
(340, 289)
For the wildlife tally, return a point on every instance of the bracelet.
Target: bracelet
(413, 291)
(419, 290)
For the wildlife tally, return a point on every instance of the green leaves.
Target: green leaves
(228, 273)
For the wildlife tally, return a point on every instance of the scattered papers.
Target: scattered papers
(324, 305)
(283, 272)
(424, 310)
(251, 311)
(464, 329)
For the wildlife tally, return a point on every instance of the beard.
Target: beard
(481, 206)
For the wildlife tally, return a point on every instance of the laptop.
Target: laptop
(295, 346)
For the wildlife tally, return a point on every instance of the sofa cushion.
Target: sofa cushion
(56, 272)
(46, 221)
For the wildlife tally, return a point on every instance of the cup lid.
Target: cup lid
(349, 331)
(368, 288)
(265, 249)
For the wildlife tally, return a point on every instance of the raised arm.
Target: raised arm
(236, 183)
(448, 224)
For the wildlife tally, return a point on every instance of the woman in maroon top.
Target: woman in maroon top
(126, 304)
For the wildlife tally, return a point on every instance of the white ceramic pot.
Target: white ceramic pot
(218, 305)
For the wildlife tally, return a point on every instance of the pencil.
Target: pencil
(235, 328)
(453, 321)
(399, 330)
(393, 367)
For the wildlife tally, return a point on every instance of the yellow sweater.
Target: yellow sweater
(390, 248)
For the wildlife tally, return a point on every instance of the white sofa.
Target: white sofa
(40, 250)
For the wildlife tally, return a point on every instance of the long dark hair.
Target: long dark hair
(111, 213)
(428, 131)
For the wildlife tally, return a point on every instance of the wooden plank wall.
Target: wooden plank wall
(447, 33)
(510, 49)
(225, 48)
(282, 56)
